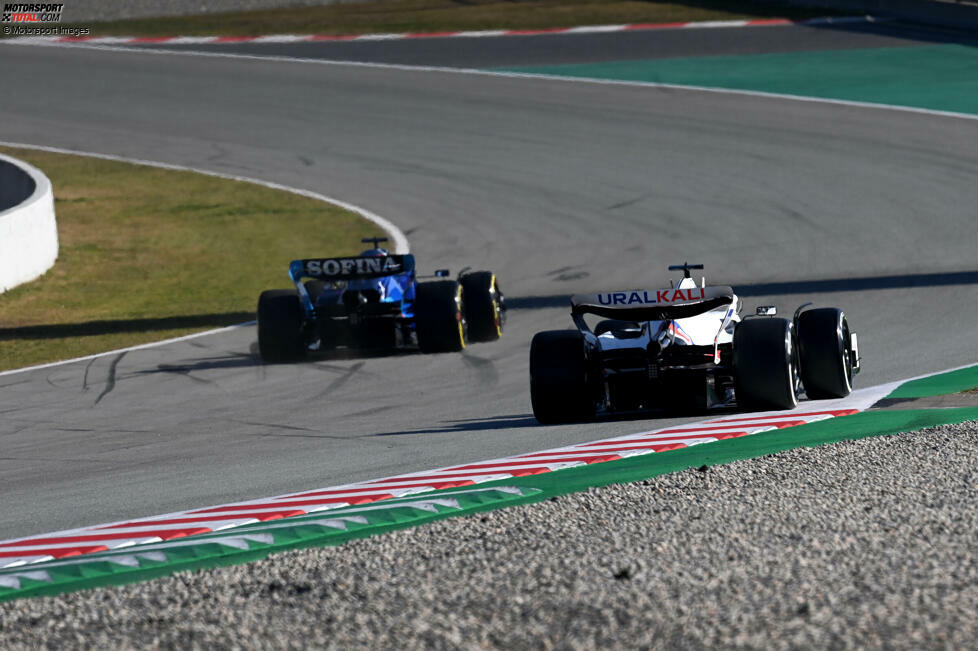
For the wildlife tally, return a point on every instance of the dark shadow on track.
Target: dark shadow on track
(527, 420)
(94, 328)
(253, 359)
(473, 425)
(906, 30)
(867, 283)
(902, 281)
(230, 361)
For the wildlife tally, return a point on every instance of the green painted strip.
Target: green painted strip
(937, 77)
(938, 385)
(242, 544)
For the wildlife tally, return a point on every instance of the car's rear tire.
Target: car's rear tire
(280, 326)
(765, 364)
(561, 389)
(438, 316)
(825, 351)
(484, 307)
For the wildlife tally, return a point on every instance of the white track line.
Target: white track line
(400, 239)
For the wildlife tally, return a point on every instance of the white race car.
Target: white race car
(687, 348)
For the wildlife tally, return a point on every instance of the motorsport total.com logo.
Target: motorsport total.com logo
(29, 12)
(35, 18)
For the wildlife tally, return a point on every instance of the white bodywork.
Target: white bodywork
(711, 328)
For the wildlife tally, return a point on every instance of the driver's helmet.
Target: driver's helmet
(374, 253)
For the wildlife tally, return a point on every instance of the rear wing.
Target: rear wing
(652, 304)
(351, 268)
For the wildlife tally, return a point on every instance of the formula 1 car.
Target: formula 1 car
(687, 348)
(375, 301)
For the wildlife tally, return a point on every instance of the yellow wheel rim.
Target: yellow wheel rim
(460, 316)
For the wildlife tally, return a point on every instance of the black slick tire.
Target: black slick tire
(765, 363)
(560, 383)
(438, 317)
(280, 326)
(825, 348)
(483, 306)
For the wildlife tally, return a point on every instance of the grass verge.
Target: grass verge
(963, 380)
(392, 16)
(147, 254)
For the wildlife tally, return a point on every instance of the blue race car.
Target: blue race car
(376, 302)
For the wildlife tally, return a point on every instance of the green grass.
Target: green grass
(147, 254)
(383, 16)
(963, 380)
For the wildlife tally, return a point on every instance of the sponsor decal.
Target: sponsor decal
(652, 297)
(353, 266)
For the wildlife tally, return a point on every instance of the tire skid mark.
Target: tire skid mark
(371, 410)
(312, 433)
(14, 432)
(485, 368)
(85, 377)
(186, 372)
(341, 380)
(110, 381)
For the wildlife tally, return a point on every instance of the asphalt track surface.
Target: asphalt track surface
(558, 186)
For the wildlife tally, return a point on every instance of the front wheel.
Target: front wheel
(560, 381)
(484, 307)
(280, 326)
(766, 364)
(825, 346)
(438, 316)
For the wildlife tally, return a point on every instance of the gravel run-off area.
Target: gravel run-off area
(863, 544)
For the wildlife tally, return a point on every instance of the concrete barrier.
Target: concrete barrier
(28, 229)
